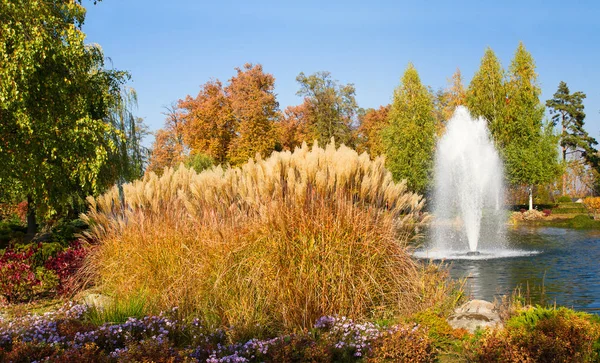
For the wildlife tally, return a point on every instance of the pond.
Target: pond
(565, 271)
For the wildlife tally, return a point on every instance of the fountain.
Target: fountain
(469, 218)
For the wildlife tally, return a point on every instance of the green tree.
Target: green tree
(331, 107)
(54, 97)
(486, 95)
(409, 138)
(528, 146)
(567, 111)
(533, 163)
(127, 161)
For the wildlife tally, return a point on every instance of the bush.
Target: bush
(582, 221)
(542, 335)
(270, 246)
(403, 344)
(65, 264)
(18, 281)
(564, 199)
(547, 212)
(199, 162)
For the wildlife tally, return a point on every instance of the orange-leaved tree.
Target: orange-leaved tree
(255, 108)
(369, 131)
(294, 127)
(208, 122)
(168, 149)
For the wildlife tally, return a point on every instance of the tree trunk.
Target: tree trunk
(530, 197)
(31, 222)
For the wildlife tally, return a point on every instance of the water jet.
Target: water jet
(468, 195)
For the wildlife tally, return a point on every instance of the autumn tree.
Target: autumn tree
(255, 108)
(54, 96)
(409, 139)
(486, 95)
(372, 122)
(208, 123)
(331, 106)
(294, 126)
(446, 101)
(168, 149)
(567, 112)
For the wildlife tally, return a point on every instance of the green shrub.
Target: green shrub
(443, 337)
(199, 162)
(564, 199)
(542, 335)
(583, 221)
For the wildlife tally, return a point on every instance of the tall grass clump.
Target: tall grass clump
(274, 244)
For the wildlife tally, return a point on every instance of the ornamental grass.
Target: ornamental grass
(267, 247)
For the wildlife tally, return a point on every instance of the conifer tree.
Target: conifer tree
(486, 95)
(409, 139)
(567, 112)
(528, 145)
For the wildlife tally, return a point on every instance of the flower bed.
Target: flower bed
(66, 336)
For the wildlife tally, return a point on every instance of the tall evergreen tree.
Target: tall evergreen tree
(486, 95)
(409, 138)
(528, 146)
(567, 112)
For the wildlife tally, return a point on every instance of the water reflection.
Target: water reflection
(566, 270)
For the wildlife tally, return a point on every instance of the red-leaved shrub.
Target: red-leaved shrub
(17, 275)
(65, 264)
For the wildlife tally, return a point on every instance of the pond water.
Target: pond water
(566, 269)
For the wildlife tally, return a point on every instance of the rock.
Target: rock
(475, 314)
(96, 300)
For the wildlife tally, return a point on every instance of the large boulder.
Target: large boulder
(475, 314)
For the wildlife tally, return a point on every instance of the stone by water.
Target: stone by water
(469, 190)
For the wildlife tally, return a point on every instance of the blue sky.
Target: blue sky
(172, 47)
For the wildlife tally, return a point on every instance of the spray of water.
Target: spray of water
(469, 189)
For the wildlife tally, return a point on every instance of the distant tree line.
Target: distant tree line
(232, 123)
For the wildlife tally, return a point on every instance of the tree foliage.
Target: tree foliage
(294, 127)
(486, 95)
(447, 100)
(331, 107)
(567, 112)
(255, 108)
(529, 146)
(54, 97)
(167, 151)
(372, 122)
(409, 139)
(208, 124)
(127, 161)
